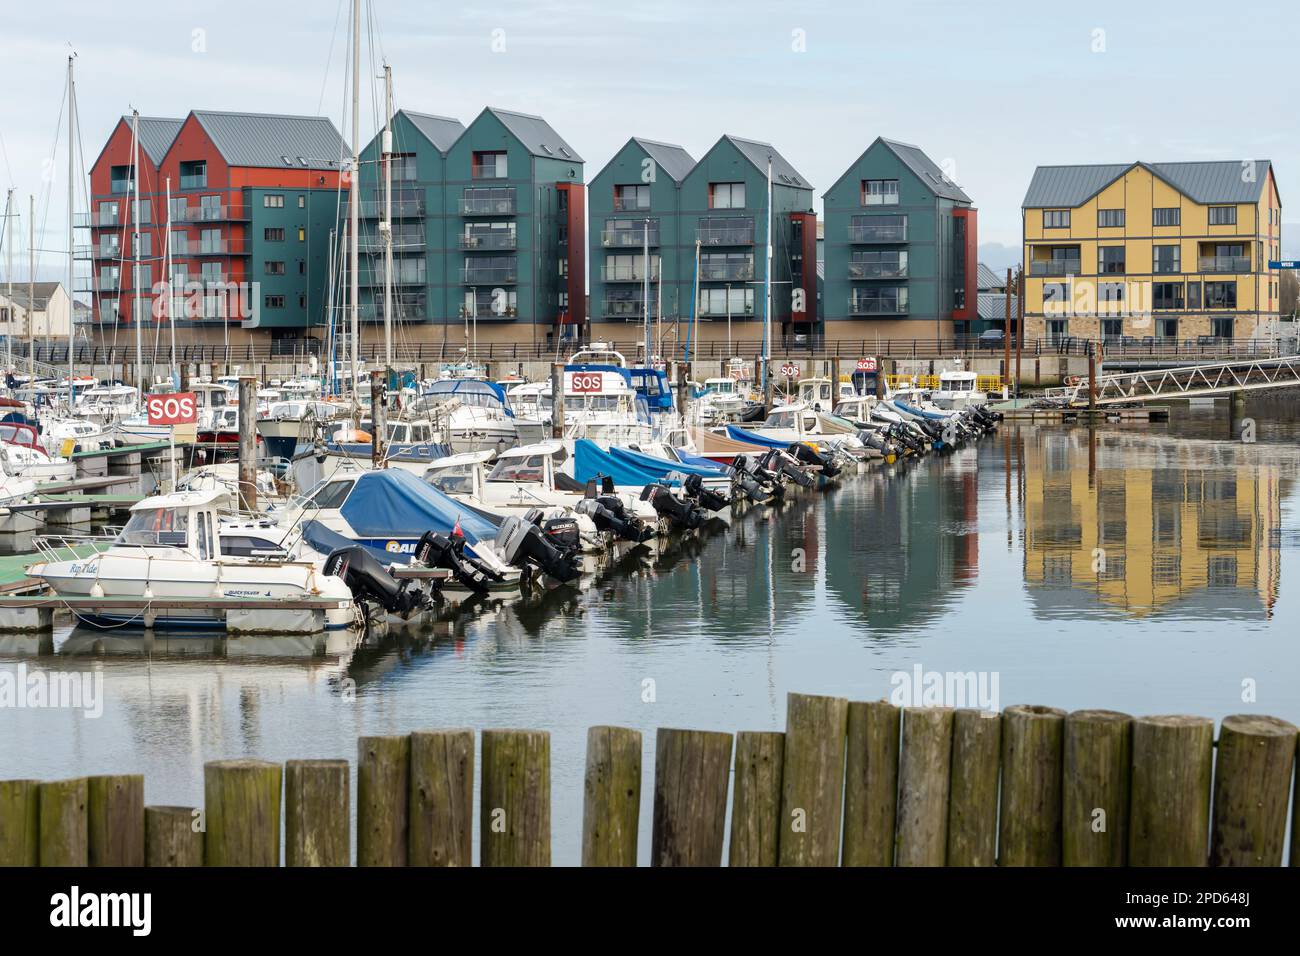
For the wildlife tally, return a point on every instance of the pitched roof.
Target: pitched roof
(926, 170)
(537, 135)
(1204, 182)
(988, 279)
(272, 140)
(993, 305)
(157, 133)
(758, 153)
(672, 159)
(41, 292)
(441, 131)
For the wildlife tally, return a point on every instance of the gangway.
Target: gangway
(1190, 381)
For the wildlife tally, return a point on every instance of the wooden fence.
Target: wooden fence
(862, 784)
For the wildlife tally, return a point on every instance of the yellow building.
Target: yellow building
(1160, 252)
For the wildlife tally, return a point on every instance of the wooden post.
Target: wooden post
(690, 798)
(756, 799)
(378, 416)
(1020, 321)
(20, 802)
(1098, 752)
(973, 798)
(64, 832)
(871, 784)
(812, 784)
(1252, 780)
(557, 399)
(115, 820)
(835, 382)
(923, 786)
(170, 837)
(442, 798)
(683, 388)
(1006, 341)
(317, 813)
(383, 792)
(1169, 820)
(1092, 380)
(248, 442)
(612, 796)
(241, 813)
(515, 807)
(880, 377)
(1029, 827)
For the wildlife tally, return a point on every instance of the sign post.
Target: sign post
(178, 408)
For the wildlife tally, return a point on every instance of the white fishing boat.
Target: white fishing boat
(958, 389)
(108, 404)
(474, 413)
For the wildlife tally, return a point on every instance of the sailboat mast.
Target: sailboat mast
(354, 257)
(135, 250)
(72, 301)
(9, 274)
(386, 227)
(767, 285)
(31, 290)
(645, 286)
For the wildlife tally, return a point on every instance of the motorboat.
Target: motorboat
(226, 475)
(821, 394)
(721, 400)
(32, 461)
(293, 421)
(108, 404)
(958, 389)
(532, 421)
(794, 422)
(474, 413)
(20, 508)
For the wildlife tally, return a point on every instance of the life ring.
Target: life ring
(1073, 380)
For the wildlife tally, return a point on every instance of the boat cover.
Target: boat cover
(394, 503)
(754, 438)
(471, 391)
(630, 468)
(325, 541)
(916, 412)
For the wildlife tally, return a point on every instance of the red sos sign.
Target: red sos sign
(587, 381)
(178, 409)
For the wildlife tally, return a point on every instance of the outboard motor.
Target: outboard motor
(708, 499)
(779, 461)
(806, 454)
(522, 543)
(440, 551)
(682, 513)
(563, 533)
(369, 581)
(617, 522)
(757, 483)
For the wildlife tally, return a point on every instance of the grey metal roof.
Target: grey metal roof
(926, 170)
(672, 159)
(1205, 182)
(783, 174)
(266, 140)
(988, 279)
(993, 305)
(537, 135)
(157, 133)
(441, 131)
(41, 293)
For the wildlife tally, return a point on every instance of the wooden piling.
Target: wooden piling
(442, 798)
(170, 837)
(317, 813)
(871, 783)
(1169, 816)
(241, 813)
(1098, 754)
(756, 799)
(812, 787)
(64, 826)
(515, 798)
(557, 399)
(923, 786)
(248, 443)
(611, 797)
(383, 796)
(115, 820)
(20, 835)
(1252, 780)
(690, 797)
(973, 794)
(1029, 824)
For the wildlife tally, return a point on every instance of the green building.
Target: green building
(488, 231)
(900, 250)
(720, 205)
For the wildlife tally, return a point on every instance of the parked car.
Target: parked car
(990, 339)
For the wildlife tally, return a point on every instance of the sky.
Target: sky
(989, 90)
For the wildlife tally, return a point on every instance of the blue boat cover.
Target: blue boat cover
(631, 468)
(471, 391)
(326, 542)
(919, 412)
(736, 433)
(395, 504)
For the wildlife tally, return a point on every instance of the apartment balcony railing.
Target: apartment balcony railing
(891, 233)
(490, 241)
(414, 308)
(629, 238)
(488, 207)
(213, 214)
(489, 275)
(727, 272)
(485, 172)
(220, 247)
(626, 309)
(107, 217)
(195, 181)
(1055, 267)
(858, 306)
(624, 274)
(727, 235)
(401, 208)
(119, 187)
(876, 270)
(401, 243)
(376, 279)
(629, 205)
(106, 252)
(488, 312)
(1230, 264)
(720, 312)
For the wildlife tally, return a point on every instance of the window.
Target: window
(1056, 295)
(1167, 328)
(1110, 259)
(120, 179)
(273, 235)
(1056, 219)
(159, 527)
(144, 276)
(273, 201)
(273, 302)
(244, 546)
(194, 175)
(209, 242)
(1193, 295)
(632, 197)
(716, 302)
(488, 166)
(1110, 218)
(726, 195)
(1167, 216)
(108, 213)
(878, 264)
(1112, 328)
(1166, 259)
(726, 266)
(302, 234)
(1166, 295)
(146, 212)
(302, 267)
(331, 495)
(143, 245)
(1220, 295)
(880, 192)
(1223, 215)
(302, 202)
(1221, 327)
(404, 170)
(176, 208)
(274, 268)
(1110, 292)
(1057, 329)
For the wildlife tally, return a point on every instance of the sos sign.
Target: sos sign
(587, 381)
(177, 409)
(866, 364)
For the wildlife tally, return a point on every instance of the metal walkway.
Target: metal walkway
(1190, 381)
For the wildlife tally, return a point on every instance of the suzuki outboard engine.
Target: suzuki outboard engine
(440, 551)
(682, 513)
(563, 533)
(369, 581)
(809, 456)
(614, 519)
(522, 543)
(756, 482)
(708, 499)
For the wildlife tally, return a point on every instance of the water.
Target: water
(1150, 583)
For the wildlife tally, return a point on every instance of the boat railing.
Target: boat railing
(58, 546)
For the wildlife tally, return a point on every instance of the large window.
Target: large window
(1193, 295)
(1056, 296)
(1167, 216)
(273, 201)
(1223, 215)
(1166, 295)
(1110, 218)
(1056, 219)
(632, 197)
(1110, 259)
(489, 165)
(880, 192)
(1110, 292)
(878, 264)
(726, 266)
(1112, 329)
(404, 170)
(726, 195)
(194, 174)
(1221, 327)
(1166, 259)
(159, 527)
(882, 300)
(120, 179)
(715, 302)
(1220, 295)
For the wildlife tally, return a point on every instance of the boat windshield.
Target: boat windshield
(518, 469)
(158, 527)
(722, 387)
(781, 420)
(452, 480)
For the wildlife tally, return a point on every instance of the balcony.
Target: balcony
(629, 238)
(877, 270)
(489, 241)
(1055, 267)
(402, 242)
(219, 247)
(107, 216)
(487, 311)
(877, 306)
(120, 187)
(401, 208)
(488, 206)
(726, 272)
(629, 204)
(626, 309)
(745, 311)
(741, 234)
(375, 279)
(881, 233)
(1230, 264)
(625, 274)
(489, 275)
(213, 214)
(194, 181)
(105, 252)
